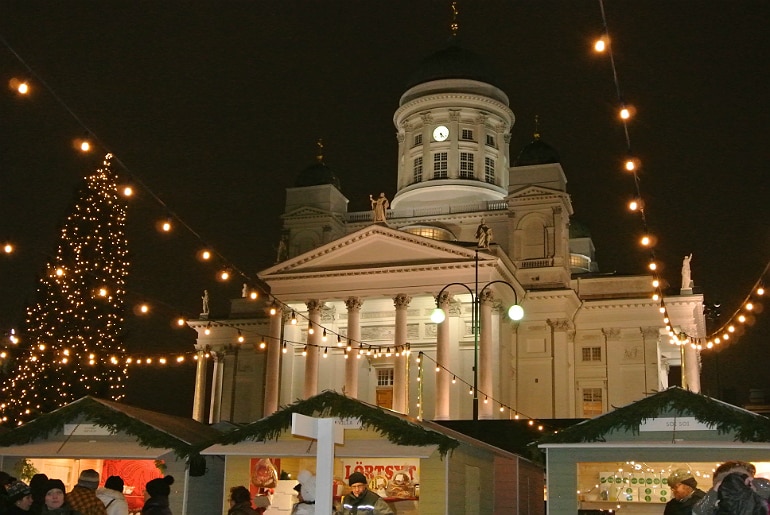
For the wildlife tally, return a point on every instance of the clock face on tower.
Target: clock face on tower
(440, 133)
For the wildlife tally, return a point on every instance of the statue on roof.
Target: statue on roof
(686, 273)
(380, 207)
(483, 235)
(205, 299)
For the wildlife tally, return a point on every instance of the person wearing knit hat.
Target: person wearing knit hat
(83, 498)
(362, 500)
(111, 494)
(37, 484)
(684, 492)
(156, 494)
(54, 498)
(20, 498)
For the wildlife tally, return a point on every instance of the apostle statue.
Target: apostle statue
(686, 273)
(483, 235)
(380, 207)
(205, 299)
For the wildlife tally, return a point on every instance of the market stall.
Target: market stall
(620, 460)
(417, 466)
(117, 439)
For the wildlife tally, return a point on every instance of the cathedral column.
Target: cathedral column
(273, 364)
(486, 372)
(401, 303)
(442, 357)
(199, 400)
(313, 348)
(691, 367)
(354, 340)
(215, 409)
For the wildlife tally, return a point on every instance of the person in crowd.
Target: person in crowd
(684, 492)
(111, 494)
(19, 498)
(83, 498)
(5, 480)
(37, 485)
(240, 501)
(305, 489)
(709, 504)
(736, 497)
(156, 494)
(361, 500)
(55, 502)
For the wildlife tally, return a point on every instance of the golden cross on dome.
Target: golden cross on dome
(320, 145)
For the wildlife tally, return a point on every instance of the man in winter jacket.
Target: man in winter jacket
(361, 500)
(83, 498)
(112, 496)
(685, 493)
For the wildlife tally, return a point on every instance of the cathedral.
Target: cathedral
(406, 305)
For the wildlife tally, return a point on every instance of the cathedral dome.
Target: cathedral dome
(453, 62)
(317, 174)
(537, 152)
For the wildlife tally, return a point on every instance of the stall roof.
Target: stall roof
(152, 430)
(303, 448)
(398, 429)
(672, 402)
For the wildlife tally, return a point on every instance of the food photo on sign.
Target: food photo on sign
(390, 480)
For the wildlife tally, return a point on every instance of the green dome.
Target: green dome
(316, 174)
(537, 152)
(453, 62)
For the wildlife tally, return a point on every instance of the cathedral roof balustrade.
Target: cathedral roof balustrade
(472, 207)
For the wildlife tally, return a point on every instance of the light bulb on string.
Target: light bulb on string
(283, 348)
(204, 254)
(262, 343)
(273, 309)
(293, 318)
(8, 248)
(631, 164)
(241, 339)
(20, 86)
(600, 44)
(253, 295)
(224, 275)
(326, 352)
(165, 225)
(310, 329)
(760, 290)
(323, 336)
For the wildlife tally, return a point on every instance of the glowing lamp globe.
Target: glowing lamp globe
(516, 312)
(437, 316)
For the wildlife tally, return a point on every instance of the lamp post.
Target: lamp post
(515, 312)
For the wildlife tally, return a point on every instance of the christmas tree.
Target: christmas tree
(71, 341)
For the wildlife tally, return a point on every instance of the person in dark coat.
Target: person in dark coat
(19, 498)
(684, 491)
(37, 485)
(55, 502)
(736, 497)
(156, 494)
(240, 501)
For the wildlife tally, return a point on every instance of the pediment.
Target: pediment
(534, 192)
(374, 246)
(305, 212)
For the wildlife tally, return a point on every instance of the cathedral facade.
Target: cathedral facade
(471, 231)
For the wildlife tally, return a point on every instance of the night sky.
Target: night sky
(216, 107)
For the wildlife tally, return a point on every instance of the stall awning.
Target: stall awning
(300, 448)
(81, 449)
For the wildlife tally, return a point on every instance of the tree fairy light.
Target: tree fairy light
(75, 320)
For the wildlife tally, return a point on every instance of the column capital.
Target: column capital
(313, 305)
(401, 301)
(486, 297)
(354, 303)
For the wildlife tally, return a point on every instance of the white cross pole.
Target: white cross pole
(328, 434)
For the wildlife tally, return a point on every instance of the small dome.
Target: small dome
(453, 62)
(578, 229)
(316, 174)
(537, 152)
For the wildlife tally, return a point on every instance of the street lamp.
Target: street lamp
(515, 313)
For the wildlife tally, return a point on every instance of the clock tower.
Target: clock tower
(453, 126)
